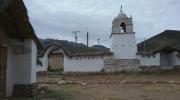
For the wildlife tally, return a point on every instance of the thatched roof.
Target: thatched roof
(4, 4)
(91, 52)
(168, 40)
(4, 40)
(15, 21)
(73, 52)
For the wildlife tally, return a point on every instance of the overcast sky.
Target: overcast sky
(58, 18)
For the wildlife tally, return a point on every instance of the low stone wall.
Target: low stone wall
(177, 67)
(21, 90)
(150, 68)
(118, 65)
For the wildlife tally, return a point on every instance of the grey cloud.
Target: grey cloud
(58, 18)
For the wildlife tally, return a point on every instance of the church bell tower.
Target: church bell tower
(123, 37)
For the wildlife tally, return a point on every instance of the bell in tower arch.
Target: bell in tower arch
(122, 23)
(123, 27)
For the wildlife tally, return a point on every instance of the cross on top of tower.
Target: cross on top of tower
(121, 15)
(121, 11)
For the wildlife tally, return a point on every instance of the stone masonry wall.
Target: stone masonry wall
(21, 90)
(118, 65)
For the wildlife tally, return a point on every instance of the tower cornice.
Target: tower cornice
(122, 33)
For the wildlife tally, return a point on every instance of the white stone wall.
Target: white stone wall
(178, 61)
(21, 68)
(75, 64)
(124, 46)
(168, 60)
(44, 66)
(172, 59)
(9, 74)
(83, 64)
(164, 60)
(153, 60)
(33, 61)
(118, 65)
(45, 61)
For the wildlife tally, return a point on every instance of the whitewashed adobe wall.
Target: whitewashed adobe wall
(164, 60)
(21, 68)
(41, 68)
(83, 64)
(44, 60)
(178, 61)
(33, 61)
(172, 59)
(168, 61)
(9, 74)
(75, 64)
(153, 60)
(124, 46)
(44, 66)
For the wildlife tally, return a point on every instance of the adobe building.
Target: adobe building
(18, 50)
(57, 57)
(162, 50)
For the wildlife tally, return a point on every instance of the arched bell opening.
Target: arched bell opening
(123, 27)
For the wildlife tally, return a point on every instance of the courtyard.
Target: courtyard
(133, 86)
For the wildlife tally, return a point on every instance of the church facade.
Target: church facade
(123, 45)
(123, 37)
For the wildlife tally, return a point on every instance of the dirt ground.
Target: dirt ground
(114, 87)
(118, 92)
(110, 87)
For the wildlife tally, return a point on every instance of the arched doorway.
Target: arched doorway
(52, 58)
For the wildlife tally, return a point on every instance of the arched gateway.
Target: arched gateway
(58, 57)
(52, 58)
